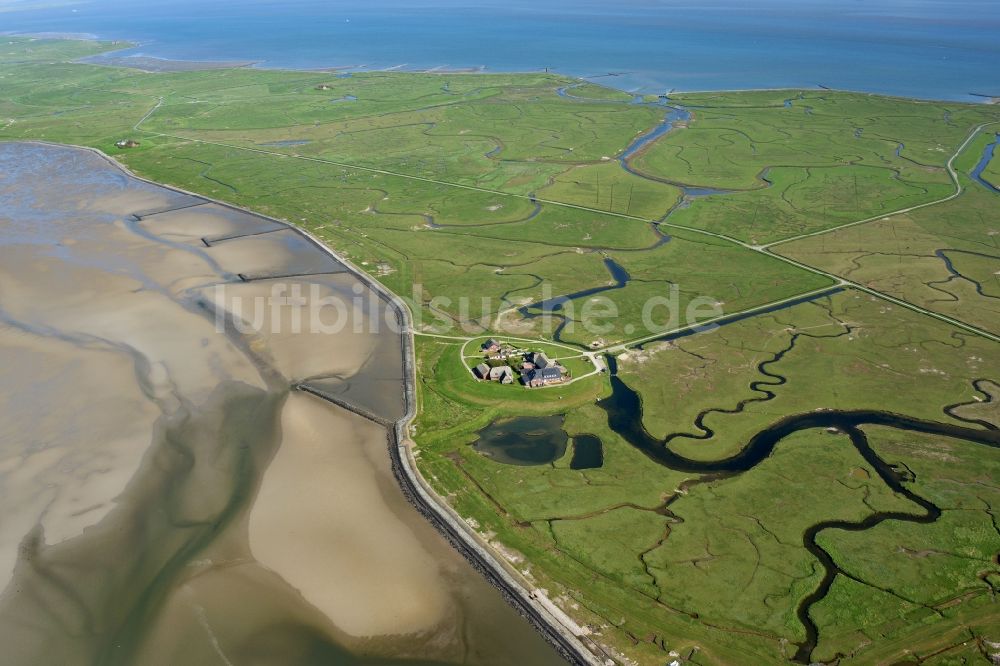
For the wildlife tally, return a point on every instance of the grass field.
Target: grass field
(800, 162)
(944, 258)
(476, 196)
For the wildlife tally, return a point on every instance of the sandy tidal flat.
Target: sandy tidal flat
(169, 497)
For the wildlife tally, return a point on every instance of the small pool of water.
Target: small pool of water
(524, 440)
(694, 192)
(588, 452)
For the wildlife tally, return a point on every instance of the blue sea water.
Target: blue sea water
(943, 49)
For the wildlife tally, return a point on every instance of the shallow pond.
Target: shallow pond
(537, 440)
(525, 440)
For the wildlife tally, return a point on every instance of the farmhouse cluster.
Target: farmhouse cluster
(507, 364)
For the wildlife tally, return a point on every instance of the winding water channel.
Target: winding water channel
(977, 172)
(624, 412)
(542, 441)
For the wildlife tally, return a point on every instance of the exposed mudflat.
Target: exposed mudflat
(169, 497)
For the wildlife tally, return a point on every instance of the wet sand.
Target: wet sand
(171, 498)
(311, 525)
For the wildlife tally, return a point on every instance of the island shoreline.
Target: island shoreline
(976, 98)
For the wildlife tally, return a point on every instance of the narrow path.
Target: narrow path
(622, 346)
(159, 103)
(709, 323)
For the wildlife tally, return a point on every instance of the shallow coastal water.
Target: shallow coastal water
(943, 49)
(169, 498)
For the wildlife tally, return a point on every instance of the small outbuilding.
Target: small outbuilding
(126, 143)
